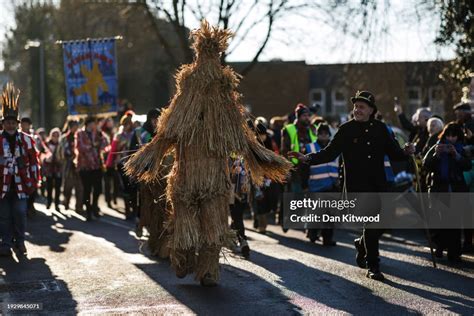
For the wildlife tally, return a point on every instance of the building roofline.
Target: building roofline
(303, 62)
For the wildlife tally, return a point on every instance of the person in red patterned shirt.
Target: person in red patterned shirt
(90, 145)
(19, 178)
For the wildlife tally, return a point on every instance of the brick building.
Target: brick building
(274, 88)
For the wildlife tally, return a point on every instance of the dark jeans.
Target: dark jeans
(92, 185)
(237, 214)
(370, 239)
(53, 182)
(12, 220)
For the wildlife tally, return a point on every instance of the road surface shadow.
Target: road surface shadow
(31, 281)
(41, 232)
(239, 292)
(426, 275)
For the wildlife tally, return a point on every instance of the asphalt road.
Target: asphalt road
(101, 268)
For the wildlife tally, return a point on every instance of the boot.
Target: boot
(262, 223)
(312, 234)
(21, 248)
(375, 274)
(245, 249)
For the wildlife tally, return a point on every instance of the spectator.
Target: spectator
(72, 180)
(20, 175)
(323, 178)
(435, 126)
(119, 149)
(418, 128)
(26, 127)
(90, 145)
(268, 195)
(52, 168)
(447, 161)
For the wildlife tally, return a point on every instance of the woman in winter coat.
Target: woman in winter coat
(446, 161)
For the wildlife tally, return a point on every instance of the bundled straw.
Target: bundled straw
(203, 126)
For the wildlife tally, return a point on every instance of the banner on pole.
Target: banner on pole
(90, 71)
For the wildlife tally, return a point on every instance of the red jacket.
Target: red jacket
(22, 167)
(89, 150)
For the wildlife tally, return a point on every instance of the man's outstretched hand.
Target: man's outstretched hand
(409, 149)
(298, 155)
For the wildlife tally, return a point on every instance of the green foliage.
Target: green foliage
(35, 21)
(457, 29)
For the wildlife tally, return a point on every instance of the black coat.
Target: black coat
(418, 135)
(363, 146)
(432, 163)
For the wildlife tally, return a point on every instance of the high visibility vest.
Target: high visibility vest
(295, 144)
(389, 175)
(322, 177)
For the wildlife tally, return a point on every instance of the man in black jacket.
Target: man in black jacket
(418, 131)
(363, 143)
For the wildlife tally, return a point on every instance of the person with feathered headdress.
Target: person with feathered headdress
(19, 169)
(203, 126)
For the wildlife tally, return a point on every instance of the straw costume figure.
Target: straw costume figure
(153, 211)
(203, 126)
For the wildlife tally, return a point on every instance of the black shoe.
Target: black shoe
(245, 249)
(329, 243)
(375, 274)
(312, 237)
(360, 255)
(285, 230)
(21, 248)
(439, 253)
(138, 230)
(89, 217)
(97, 214)
(48, 206)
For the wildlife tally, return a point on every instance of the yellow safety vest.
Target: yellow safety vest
(295, 144)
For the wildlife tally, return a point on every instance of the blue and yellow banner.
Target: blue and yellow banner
(90, 71)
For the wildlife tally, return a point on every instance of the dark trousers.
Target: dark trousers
(53, 182)
(130, 192)
(31, 202)
(111, 185)
(72, 180)
(92, 185)
(237, 214)
(370, 239)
